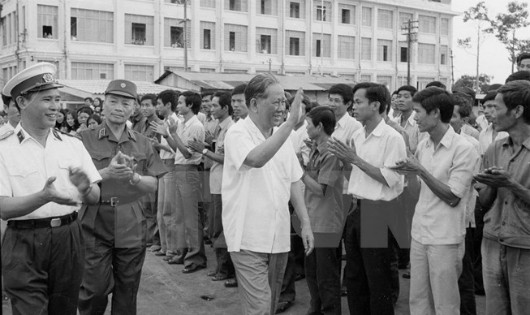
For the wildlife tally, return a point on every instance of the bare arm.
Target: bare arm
(297, 200)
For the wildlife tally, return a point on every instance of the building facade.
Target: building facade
(139, 39)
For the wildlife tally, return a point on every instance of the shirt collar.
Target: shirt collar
(321, 148)
(342, 121)
(23, 135)
(378, 130)
(191, 120)
(104, 131)
(223, 124)
(138, 116)
(251, 126)
(508, 142)
(448, 137)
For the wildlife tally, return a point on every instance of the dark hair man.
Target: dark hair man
(406, 118)
(239, 103)
(523, 62)
(505, 196)
(444, 163)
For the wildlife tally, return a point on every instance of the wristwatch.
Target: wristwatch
(135, 182)
(204, 151)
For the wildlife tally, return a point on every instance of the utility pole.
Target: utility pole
(185, 35)
(452, 69)
(478, 60)
(410, 29)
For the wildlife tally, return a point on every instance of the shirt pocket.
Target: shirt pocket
(101, 159)
(24, 176)
(141, 163)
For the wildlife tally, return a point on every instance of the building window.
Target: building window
(139, 29)
(174, 33)
(384, 50)
(236, 5)
(267, 7)
(385, 19)
(322, 11)
(366, 77)
(426, 53)
(403, 52)
(294, 10)
(443, 54)
(347, 14)
(73, 28)
(207, 35)
(94, 26)
(346, 47)
(139, 73)
(92, 71)
(367, 16)
(404, 18)
(47, 21)
(444, 26)
(422, 82)
(366, 48)
(208, 3)
(267, 40)
(427, 24)
(295, 43)
(235, 37)
(322, 45)
(385, 80)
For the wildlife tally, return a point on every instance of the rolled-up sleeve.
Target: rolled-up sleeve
(461, 171)
(395, 151)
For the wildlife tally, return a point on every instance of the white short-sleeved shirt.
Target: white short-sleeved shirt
(255, 200)
(473, 194)
(25, 165)
(452, 162)
(216, 172)
(164, 155)
(344, 130)
(190, 130)
(383, 148)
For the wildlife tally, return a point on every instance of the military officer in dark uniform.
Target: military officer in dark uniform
(115, 228)
(44, 178)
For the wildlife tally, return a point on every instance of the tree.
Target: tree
(479, 15)
(468, 81)
(505, 26)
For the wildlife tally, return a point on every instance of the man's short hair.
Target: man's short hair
(490, 96)
(494, 86)
(466, 91)
(225, 100)
(240, 89)
(169, 96)
(409, 88)
(205, 94)
(86, 110)
(193, 99)
(89, 98)
(436, 84)
(435, 98)
(517, 93)
(151, 97)
(522, 57)
(258, 85)
(6, 99)
(375, 93)
(324, 115)
(465, 107)
(343, 90)
(519, 75)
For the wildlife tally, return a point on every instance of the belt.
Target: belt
(43, 223)
(112, 201)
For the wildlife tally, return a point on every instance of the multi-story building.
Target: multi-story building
(139, 39)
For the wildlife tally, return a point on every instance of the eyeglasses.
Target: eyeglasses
(527, 66)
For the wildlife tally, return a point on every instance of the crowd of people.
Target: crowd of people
(282, 187)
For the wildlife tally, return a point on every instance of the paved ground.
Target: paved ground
(166, 290)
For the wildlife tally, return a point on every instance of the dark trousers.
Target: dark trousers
(43, 268)
(369, 278)
(322, 271)
(477, 255)
(225, 266)
(150, 211)
(466, 281)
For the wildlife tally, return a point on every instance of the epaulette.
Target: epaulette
(6, 134)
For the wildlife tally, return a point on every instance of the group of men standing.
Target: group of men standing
(78, 208)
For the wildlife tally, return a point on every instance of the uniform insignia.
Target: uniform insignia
(131, 134)
(102, 133)
(20, 136)
(56, 134)
(47, 77)
(123, 85)
(6, 134)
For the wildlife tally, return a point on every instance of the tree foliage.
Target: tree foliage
(505, 26)
(468, 81)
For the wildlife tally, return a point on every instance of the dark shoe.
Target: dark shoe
(406, 275)
(283, 306)
(155, 248)
(160, 253)
(192, 268)
(299, 276)
(174, 260)
(207, 242)
(219, 277)
(231, 283)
